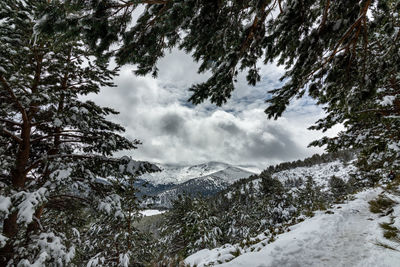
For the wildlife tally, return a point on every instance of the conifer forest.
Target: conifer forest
(199, 133)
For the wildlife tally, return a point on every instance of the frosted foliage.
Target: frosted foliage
(124, 260)
(28, 202)
(5, 203)
(3, 240)
(60, 175)
(111, 205)
(49, 246)
(96, 261)
(395, 147)
(387, 100)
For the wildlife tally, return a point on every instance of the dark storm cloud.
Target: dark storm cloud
(280, 146)
(171, 123)
(229, 127)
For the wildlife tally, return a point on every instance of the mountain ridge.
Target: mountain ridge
(204, 179)
(177, 174)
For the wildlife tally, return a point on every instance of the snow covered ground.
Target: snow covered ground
(348, 237)
(321, 173)
(151, 212)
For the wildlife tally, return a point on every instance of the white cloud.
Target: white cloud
(174, 131)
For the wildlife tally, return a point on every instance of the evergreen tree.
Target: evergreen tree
(174, 235)
(372, 108)
(205, 231)
(338, 187)
(55, 148)
(270, 186)
(237, 221)
(112, 238)
(276, 201)
(191, 226)
(310, 197)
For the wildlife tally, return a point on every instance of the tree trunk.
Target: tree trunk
(18, 178)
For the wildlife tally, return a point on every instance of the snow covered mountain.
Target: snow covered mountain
(173, 174)
(205, 179)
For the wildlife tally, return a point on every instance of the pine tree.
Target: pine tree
(112, 238)
(269, 186)
(338, 187)
(55, 148)
(277, 206)
(310, 197)
(191, 226)
(205, 230)
(174, 235)
(238, 220)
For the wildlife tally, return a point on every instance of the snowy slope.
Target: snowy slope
(320, 173)
(348, 237)
(151, 212)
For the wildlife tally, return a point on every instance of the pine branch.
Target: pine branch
(337, 48)
(73, 156)
(150, 2)
(245, 45)
(69, 196)
(325, 15)
(10, 134)
(11, 122)
(14, 98)
(58, 134)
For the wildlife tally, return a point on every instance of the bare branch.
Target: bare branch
(10, 134)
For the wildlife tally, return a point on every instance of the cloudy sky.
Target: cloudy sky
(172, 130)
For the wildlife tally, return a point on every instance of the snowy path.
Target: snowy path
(346, 238)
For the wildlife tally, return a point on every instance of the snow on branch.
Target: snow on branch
(28, 202)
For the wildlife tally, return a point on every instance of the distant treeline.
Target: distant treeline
(343, 155)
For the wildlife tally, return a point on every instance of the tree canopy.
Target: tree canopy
(344, 54)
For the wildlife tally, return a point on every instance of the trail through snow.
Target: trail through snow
(348, 237)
